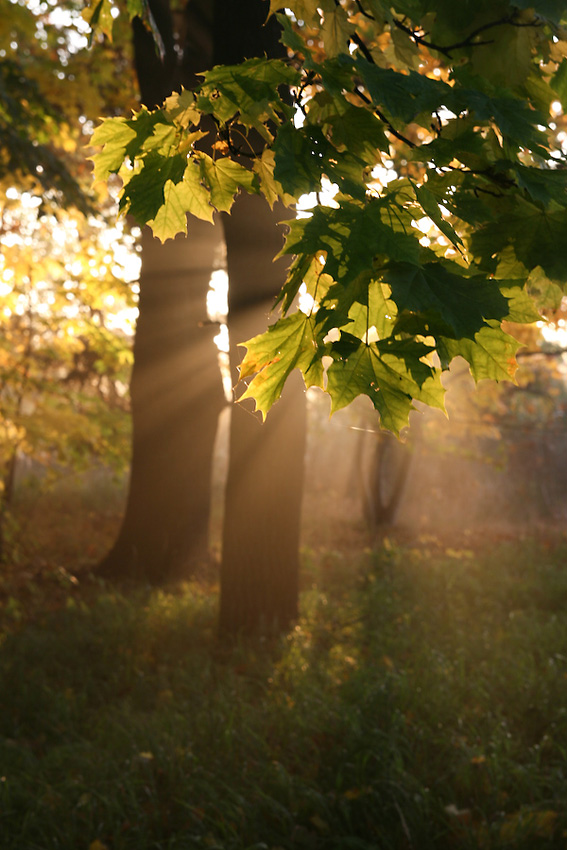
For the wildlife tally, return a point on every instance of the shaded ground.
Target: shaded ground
(419, 703)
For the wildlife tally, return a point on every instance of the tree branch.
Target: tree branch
(356, 39)
(363, 11)
(383, 118)
(469, 40)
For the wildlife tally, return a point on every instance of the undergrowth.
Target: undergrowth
(420, 702)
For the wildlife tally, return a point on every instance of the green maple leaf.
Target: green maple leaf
(406, 51)
(405, 96)
(171, 218)
(536, 236)
(357, 130)
(460, 140)
(544, 185)
(300, 158)
(546, 293)
(391, 373)
(403, 362)
(336, 31)
(271, 357)
(144, 124)
(430, 207)
(249, 90)
(450, 304)
(508, 59)
(143, 195)
(491, 354)
(123, 138)
(224, 178)
(114, 134)
(162, 138)
(515, 120)
(305, 155)
(353, 375)
(341, 303)
(354, 236)
(374, 310)
(198, 195)
(264, 168)
(521, 306)
(113, 131)
(296, 275)
(304, 271)
(187, 196)
(385, 379)
(180, 107)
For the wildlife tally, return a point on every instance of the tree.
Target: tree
(421, 114)
(64, 362)
(176, 390)
(51, 90)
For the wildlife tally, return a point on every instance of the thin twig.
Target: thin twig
(383, 118)
(466, 42)
(363, 12)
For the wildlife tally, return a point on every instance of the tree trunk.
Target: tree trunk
(260, 562)
(176, 396)
(6, 502)
(176, 389)
(176, 392)
(260, 556)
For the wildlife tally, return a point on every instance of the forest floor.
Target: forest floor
(420, 702)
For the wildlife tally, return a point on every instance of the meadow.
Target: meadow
(420, 702)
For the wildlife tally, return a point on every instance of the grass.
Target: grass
(421, 702)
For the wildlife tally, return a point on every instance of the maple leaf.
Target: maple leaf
(391, 375)
(491, 354)
(271, 357)
(224, 178)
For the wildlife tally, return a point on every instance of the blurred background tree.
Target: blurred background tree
(68, 271)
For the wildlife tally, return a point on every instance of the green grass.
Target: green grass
(420, 703)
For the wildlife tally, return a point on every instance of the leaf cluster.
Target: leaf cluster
(433, 124)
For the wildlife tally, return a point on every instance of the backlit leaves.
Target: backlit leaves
(180, 198)
(287, 345)
(491, 354)
(114, 135)
(224, 178)
(447, 197)
(449, 304)
(390, 375)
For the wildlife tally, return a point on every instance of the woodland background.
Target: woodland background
(420, 699)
